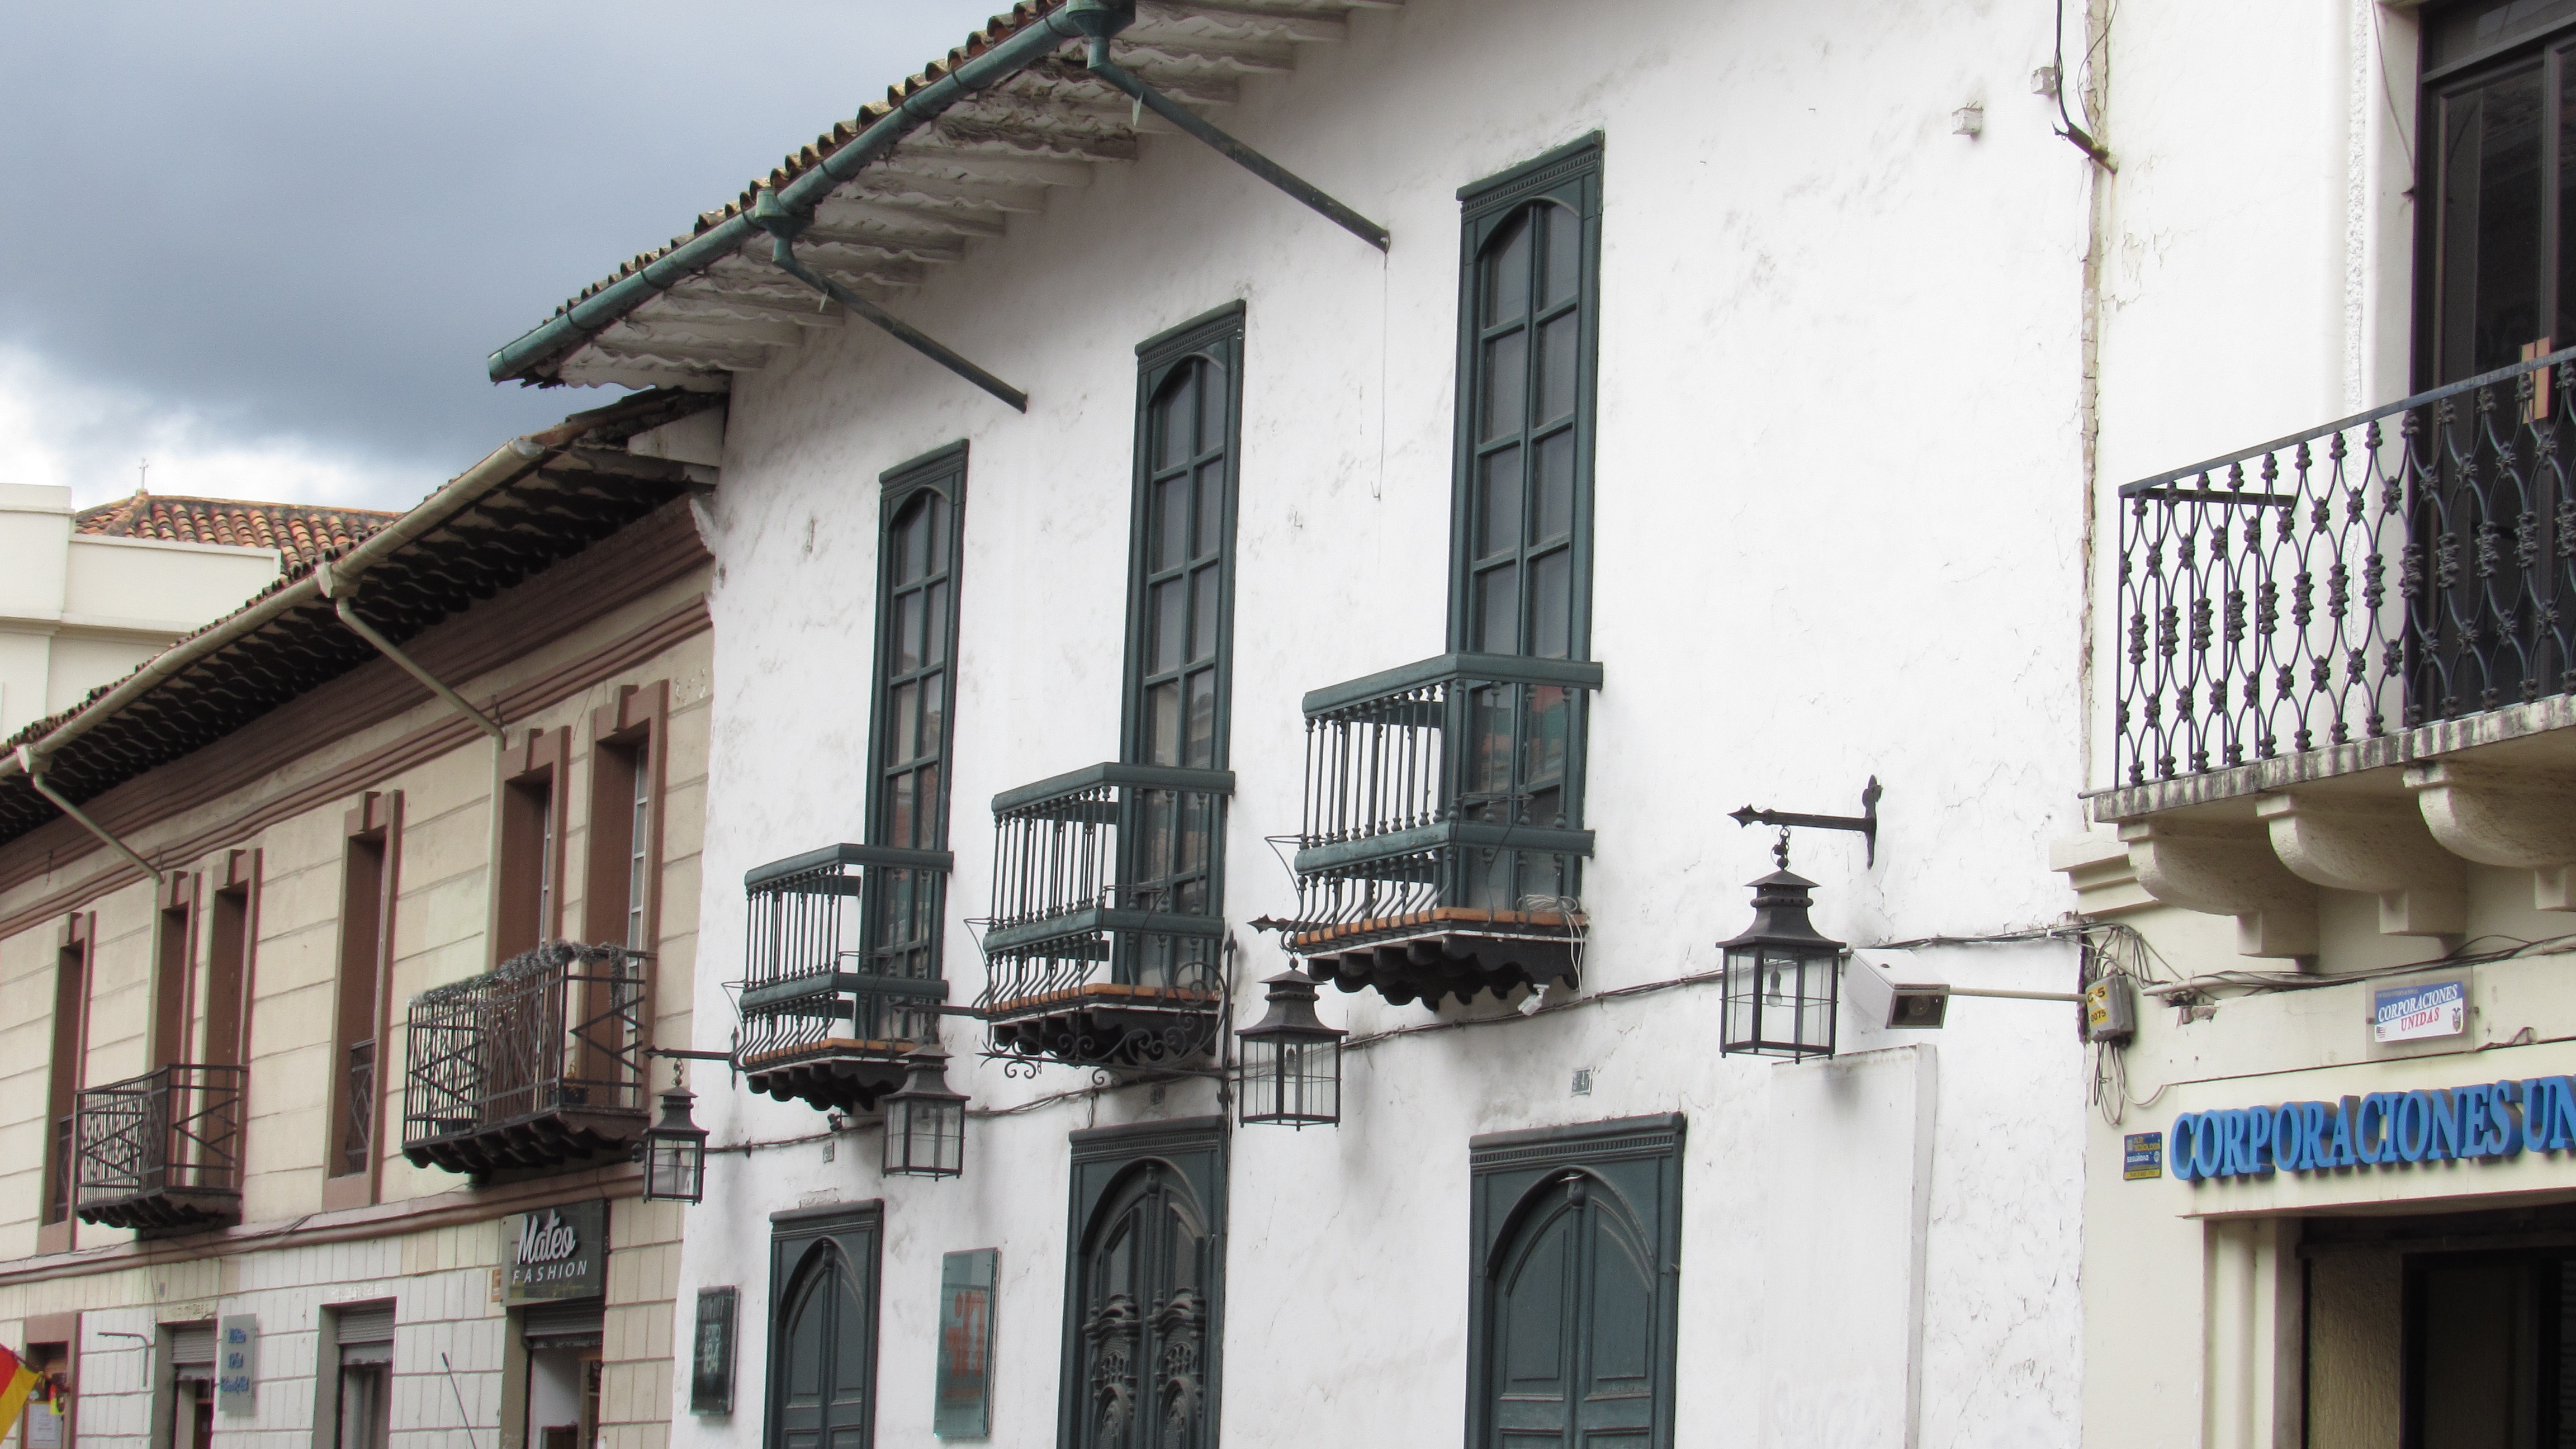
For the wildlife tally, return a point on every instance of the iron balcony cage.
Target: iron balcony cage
(161, 1152)
(842, 972)
(1105, 946)
(1441, 847)
(2413, 563)
(536, 1063)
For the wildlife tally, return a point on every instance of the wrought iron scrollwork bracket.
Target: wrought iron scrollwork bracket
(1865, 824)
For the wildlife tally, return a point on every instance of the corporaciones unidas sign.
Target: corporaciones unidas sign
(2483, 1120)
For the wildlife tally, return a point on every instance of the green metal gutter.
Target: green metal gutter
(577, 324)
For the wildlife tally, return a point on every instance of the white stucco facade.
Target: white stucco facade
(1840, 534)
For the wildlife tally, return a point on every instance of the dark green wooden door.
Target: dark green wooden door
(1145, 1317)
(1573, 1329)
(825, 1345)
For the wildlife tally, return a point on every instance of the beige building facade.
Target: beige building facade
(335, 999)
(2330, 1192)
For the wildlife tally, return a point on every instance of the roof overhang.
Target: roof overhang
(910, 185)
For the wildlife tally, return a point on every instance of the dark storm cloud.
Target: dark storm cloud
(308, 223)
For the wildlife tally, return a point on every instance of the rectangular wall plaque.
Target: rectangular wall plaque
(711, 1353)
(963, 1405)
(557, 1252)
(2143, 1156)
(236, 1364)
(2425, 1009)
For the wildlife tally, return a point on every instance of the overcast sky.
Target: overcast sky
(268, 244)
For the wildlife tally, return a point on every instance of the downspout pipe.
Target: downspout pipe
(577, 324)
(506, 464)
(783, 228)
(34, 771)
(338, 592)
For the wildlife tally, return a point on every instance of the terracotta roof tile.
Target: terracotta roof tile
(301, 532)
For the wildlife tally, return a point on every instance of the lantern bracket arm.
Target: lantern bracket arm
(1865, 824)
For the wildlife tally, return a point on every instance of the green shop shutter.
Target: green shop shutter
(1572, 1302)
(823, 1267)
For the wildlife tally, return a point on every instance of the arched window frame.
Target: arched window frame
(1568, 177)
(916, 891)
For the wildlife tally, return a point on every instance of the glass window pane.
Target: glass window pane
(934, 650)
(1507, 268)
(1171, 625)
(1171, 522)
(1163, 727)
(1557, 345)
(1203, 614)
(934, 712)
(1564, 253)
(1506, 384)
(1202, 744)
(934, 552)
(1498, 503)
(1551, 603)
(908, 630)
(899, 807)
(2490, 219)
(925, 828)
(1172, 425)
(904, 706)
(912, 540)
(1551, 715)
(1555, 487)
(1211, 510)
(1212, 400)
(1498, 610)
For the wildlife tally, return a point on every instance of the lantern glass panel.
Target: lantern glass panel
(1780, 1001)
(925, 1136)
(674, 1168)
(1289, 1080)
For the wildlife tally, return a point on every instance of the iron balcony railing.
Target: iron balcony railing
(841, 954)
(1106, 937)
(536, 1063)
(162, 1150)
(1449, 790)
(2413, 563)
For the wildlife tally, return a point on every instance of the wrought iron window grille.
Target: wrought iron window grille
(539, 1062)
(162, 1151)
(2413, 563)
(1441, 847)
(840, 985)
(1105, 946)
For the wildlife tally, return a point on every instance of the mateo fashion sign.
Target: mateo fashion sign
(555, 1253)
(2485, 1120)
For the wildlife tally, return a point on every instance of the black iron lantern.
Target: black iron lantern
(925, 1133)
(1291, 1069)
(675, 1152)
(1781, 977)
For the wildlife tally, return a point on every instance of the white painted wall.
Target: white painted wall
(1839, 514)
(77, 612)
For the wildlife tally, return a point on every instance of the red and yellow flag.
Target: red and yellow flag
(16, 1382)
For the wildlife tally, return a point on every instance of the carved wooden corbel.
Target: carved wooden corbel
(2376, 845)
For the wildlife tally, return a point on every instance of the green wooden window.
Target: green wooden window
(1521, 524)
(1180, 627)
(923, 504)
(1577, 1236)
(823, 1272)
(1144, 1289)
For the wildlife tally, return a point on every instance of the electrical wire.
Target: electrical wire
(2067, 128)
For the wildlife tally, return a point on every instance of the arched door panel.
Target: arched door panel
(823, 1337)
(1144, 1316)
(1572, 1304)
